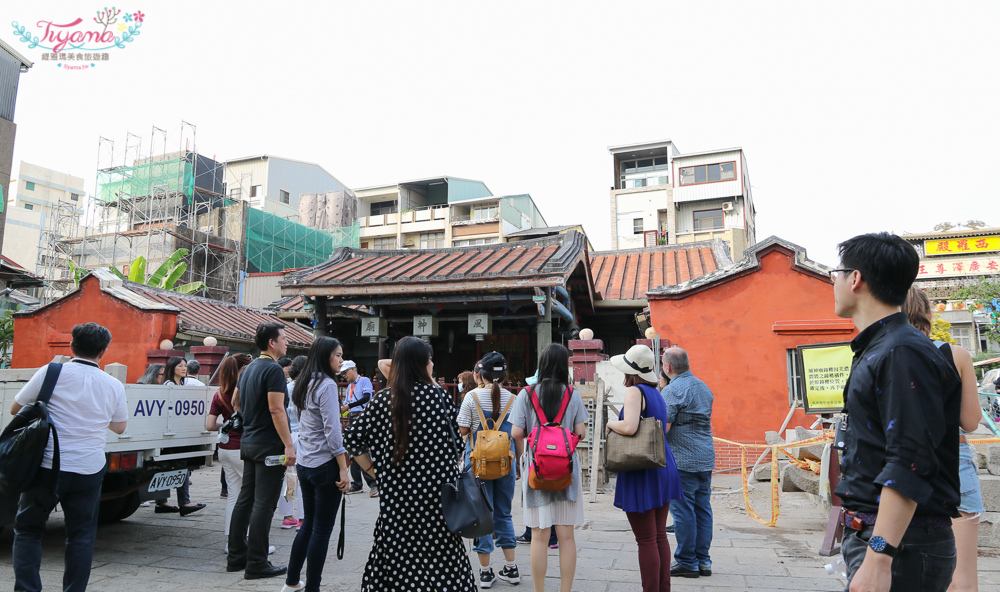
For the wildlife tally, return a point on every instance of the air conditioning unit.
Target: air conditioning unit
(727, 207)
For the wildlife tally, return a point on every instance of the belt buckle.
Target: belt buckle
(851, 521)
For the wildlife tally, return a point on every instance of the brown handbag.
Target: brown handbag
(645, 449)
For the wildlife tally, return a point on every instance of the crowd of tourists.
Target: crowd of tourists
(911, 498)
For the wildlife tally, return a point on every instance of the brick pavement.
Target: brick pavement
(163, 552)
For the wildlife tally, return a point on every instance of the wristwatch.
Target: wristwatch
(879, 545)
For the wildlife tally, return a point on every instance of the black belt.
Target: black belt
(859, 520)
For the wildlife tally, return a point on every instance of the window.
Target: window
(626, 222)
(28, 206)
(431, 240)
(234, 193)
(708, 220)
(388, 242)
(708, 173)
(283, 196)
(475, 241)
(484, 212)
(29, 185)
(636, 225)
(383, 207)
(255, 190)
(644, 172)
(794, 386)
(74, 196)
(963, 336)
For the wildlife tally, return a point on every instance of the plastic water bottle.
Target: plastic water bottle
(837, 568)
(273, 461)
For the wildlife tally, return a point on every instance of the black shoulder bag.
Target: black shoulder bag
(23, 441)
(467, 511)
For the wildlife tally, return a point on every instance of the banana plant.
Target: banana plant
(165, 276)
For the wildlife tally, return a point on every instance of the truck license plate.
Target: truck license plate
(167, 480)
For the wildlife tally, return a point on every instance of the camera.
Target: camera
(234, 423)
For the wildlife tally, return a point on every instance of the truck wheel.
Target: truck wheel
(120, 508)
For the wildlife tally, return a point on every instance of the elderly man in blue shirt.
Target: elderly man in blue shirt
(689, 433)
(359, 393)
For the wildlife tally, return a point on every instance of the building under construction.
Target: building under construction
(151, 206)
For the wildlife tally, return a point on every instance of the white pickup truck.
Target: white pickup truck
(165, 436)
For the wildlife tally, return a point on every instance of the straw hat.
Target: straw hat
(639, 359)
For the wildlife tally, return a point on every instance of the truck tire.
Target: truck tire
(119, 508)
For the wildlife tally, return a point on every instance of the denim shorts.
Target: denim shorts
(968, 474)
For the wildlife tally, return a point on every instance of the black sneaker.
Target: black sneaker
(524, 539)
(510, 575)
(353, 489)
(486, 578)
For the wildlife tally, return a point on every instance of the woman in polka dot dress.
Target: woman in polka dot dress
(406, 435)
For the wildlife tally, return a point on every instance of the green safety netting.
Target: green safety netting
(176, 175)
(275, 244)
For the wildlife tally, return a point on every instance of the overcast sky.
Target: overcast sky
(854, 117)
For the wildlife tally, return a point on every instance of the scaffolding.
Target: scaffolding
(151, 205)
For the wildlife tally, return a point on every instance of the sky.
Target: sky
(854, 116)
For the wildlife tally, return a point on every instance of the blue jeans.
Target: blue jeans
(79, 496)
(320, 502)
(500, 493)
(693, 520)
(925, 560)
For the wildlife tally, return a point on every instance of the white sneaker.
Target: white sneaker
(287, 588)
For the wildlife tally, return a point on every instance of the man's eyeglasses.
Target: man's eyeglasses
(834, 272)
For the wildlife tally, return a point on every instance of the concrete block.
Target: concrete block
(990, 485)
(773, 438)
(993, 459)
(796, 479)
(989, 530)
(763, 470)
(814, 452)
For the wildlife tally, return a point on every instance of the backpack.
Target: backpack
(491, 456)
(551, 448)
(23, 441)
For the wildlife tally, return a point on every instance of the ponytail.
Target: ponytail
(495, 399)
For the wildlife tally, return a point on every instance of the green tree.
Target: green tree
(6, 337)
(986, 294)
(939, 330)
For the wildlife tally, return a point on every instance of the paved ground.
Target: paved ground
(164, 552)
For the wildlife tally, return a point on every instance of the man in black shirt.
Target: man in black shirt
(899, 482)
(263, 399)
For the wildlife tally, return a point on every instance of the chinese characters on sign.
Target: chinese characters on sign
(824, 369)
(957, 246)
(964, 266)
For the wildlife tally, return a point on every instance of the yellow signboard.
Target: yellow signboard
(824, 369)
(958, 246)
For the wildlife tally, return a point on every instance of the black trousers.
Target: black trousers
(255, 506)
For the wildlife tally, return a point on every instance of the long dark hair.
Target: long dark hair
(229, 374)
(151, 374)
(317, 362)
(553, 378)
(172, 365)
(409, 368)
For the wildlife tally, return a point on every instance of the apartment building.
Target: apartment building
(440, 212)
(39, 201)
(662, 196)
(273, 184)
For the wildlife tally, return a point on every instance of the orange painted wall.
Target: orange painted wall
(728, 332)
(47, 332)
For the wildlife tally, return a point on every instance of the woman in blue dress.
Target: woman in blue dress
(645, 494)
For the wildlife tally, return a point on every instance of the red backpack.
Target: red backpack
(551, 448)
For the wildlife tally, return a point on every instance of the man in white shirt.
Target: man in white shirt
(359, 393)
(194, 368)
(85, 403)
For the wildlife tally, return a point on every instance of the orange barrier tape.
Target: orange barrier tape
(983, 440)
(775, 509)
